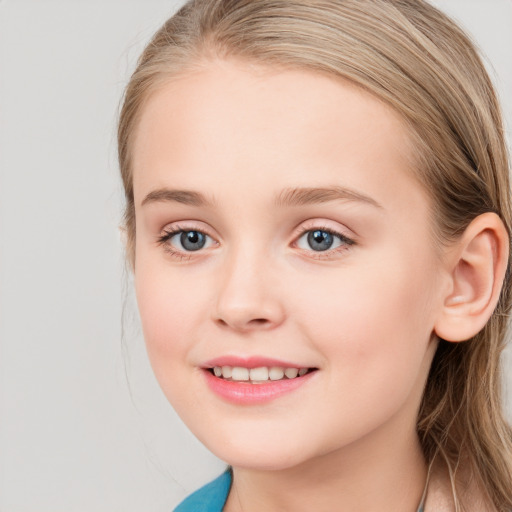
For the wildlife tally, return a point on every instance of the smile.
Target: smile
(258, 375)
(247, 383)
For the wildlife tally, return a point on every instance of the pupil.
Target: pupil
(320, 240)
(192, 240)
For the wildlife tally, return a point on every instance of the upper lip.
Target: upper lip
(251, 362)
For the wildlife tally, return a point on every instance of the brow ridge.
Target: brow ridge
(289, 197)
(312, 195)
(188, 197)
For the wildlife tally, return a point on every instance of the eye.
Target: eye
(192, 240)
(178, 240)
(322, 239)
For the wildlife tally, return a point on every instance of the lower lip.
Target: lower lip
(245, 393)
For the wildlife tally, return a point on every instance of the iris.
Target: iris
(320, 240)
(192, 240)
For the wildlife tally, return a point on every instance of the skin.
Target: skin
(363, 314)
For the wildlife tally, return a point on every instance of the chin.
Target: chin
(261, 454)
(261, 461)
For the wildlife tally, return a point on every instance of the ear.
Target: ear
(477, 263)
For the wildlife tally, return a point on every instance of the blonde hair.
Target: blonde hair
(416, 59)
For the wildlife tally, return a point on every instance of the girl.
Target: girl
(318, 218)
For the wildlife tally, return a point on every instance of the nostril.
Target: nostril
(244, 325)
(258, 323)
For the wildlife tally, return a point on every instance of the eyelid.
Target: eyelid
(324, 225)
(186, 225)
(347, 240)
(171, 230)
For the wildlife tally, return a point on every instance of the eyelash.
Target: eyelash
(346, 242)
(320, 255)
(169, 233)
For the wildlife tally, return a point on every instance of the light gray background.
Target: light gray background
(73, 437)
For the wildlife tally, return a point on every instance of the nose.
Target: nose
(248, 295)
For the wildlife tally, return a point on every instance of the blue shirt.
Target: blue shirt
(212, 497)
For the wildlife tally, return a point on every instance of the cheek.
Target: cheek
(371, 323)
(170, 310)
(169, 303)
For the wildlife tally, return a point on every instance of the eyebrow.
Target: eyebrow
(298, 196)
(305, 196)
(188, 197)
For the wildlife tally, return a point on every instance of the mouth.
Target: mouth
(255, 381)
(259, 375)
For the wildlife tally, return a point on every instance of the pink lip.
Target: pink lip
(245, 393)
(249, 362)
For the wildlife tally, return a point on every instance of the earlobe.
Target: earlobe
(477, 264)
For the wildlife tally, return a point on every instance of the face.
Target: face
(279, 228)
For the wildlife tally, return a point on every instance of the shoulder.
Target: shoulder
(210, 498)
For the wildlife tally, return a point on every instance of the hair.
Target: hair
(417, 60)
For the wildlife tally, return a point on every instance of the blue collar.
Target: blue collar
(212, 497)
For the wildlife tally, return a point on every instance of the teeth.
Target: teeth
(261, 374)
(291, 373)
(276, 373)
(258, 373)
(239, 373)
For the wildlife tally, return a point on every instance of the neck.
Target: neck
(370, 475)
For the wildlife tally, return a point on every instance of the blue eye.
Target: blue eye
(320, 240)
(179, 242)
(185, 240)
(192, 240)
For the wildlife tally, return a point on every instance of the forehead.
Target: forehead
(231, 122)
